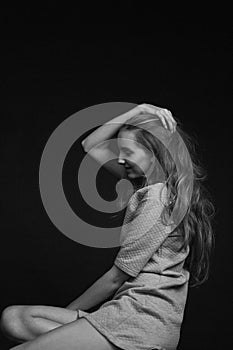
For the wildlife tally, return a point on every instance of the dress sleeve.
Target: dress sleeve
(144, 232)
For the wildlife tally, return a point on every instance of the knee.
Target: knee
(9, 319)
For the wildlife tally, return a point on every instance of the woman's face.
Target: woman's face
(134, 156)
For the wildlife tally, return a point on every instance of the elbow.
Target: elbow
(83, 143)
(117, 275)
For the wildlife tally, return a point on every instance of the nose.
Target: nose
(120, 158)
(121, 161)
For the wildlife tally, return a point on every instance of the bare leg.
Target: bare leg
(25, 322)
(77, 335)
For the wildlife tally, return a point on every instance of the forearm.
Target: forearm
(101, 290)
(107, 130)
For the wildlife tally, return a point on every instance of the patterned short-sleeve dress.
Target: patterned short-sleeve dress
(147, 311)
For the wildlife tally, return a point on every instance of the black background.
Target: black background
(57, 61)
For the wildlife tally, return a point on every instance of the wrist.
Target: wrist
(121, 119)
(70, 307)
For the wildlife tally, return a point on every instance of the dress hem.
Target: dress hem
(116, 341)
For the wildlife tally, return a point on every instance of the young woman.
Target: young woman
(158, 259)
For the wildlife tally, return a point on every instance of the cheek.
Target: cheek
(140, 163)
(145, 164)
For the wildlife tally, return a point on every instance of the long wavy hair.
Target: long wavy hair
(185, 189)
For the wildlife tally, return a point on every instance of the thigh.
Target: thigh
(53, 313)
(77, 335)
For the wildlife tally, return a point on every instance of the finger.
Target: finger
(174, 123)
(162, 118)
(171, 117)
(170, 120)
(169, 114)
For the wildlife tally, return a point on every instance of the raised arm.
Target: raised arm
(106, 131)
(95, 146)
